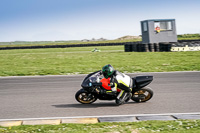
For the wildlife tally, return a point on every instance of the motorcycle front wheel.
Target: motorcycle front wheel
(85, 97)
(142, 95)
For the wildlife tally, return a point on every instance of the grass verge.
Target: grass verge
(178, 126)
(62, 61)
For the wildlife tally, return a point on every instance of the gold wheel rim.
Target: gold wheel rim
(83, 98)
(143, 92)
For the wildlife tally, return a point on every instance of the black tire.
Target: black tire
(142, 95)
(82, 97)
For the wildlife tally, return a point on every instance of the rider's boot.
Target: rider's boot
(128, 97)
(121, 98)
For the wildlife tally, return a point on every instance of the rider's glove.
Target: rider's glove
(111, 84)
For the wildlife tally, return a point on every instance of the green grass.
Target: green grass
(45, 43)
(61, 61)
(189, 37)
(178, 126)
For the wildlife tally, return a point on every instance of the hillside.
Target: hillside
(128, 37)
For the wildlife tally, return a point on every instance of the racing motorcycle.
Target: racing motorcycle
(94, 86)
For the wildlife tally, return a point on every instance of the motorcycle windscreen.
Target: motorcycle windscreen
(86, 81)
(105, 82)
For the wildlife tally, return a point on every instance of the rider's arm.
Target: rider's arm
(113, 83)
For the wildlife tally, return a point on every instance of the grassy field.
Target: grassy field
(44, 43)
(179, 126)
(189, 37)
(81, 60)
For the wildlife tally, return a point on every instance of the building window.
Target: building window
(156, 24)
(144, 26)
(163, 25)
(169, 25)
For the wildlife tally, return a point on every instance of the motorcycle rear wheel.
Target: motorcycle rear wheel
(142, 95)
(85, 97)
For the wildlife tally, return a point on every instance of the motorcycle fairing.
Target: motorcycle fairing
(141, 81)
(85, 83)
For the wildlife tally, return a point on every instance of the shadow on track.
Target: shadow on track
(94, 105)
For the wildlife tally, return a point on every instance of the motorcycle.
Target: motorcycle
(94, 86)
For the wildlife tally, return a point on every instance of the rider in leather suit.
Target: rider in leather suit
(118, 80)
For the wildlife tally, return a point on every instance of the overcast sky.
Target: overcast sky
(51, 20)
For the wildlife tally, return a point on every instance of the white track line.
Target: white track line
(134, 115)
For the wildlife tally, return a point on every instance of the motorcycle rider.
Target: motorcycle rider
(118, 80)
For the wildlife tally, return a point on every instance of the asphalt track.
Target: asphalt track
(53, 96)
